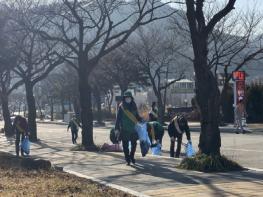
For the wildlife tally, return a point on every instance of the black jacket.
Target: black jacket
(172, 131)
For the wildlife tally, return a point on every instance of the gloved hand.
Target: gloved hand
(172, 139)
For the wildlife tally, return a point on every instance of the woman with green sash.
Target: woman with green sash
(127, 118)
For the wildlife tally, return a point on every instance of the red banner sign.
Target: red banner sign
(239, 75)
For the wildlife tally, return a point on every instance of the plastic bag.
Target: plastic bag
(157, 150)
(145, 146)
(141, 129)
(189, 150)
(145, 143)
(113, 136)
(25, 145)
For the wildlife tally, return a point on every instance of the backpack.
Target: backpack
(113, 137)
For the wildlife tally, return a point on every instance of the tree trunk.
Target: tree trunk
(76, 106)
(31, 111)
(208, 99)
(98, 102)
(25, 109)
(161, 109)
(110, 100)
(6, 114)
(19, 108)
(69, 102)
(40, 110)
(51, 109)
(85, 107)
(62, 109)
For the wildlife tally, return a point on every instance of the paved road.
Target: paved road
(245, 149)
(152, 176)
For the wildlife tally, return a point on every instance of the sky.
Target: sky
(241, 4)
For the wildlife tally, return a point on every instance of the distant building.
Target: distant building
(179, 94)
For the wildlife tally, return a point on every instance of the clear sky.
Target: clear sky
(241, 4)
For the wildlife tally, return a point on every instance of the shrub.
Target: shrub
(210, 163)
(255, 103)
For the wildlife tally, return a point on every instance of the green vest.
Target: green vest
(158, 128)
(128, 125)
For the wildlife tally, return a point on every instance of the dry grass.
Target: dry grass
(208, 163)
(21, 182)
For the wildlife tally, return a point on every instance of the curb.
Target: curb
(54, 123)
(107, 184)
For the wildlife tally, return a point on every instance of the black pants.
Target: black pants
(19, 136)
(178, 148)
(129, 155)
(74, 135)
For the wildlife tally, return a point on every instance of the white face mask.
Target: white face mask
(128, 100)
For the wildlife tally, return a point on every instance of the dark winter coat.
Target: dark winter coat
(183, 125)
(74, 124)
(124, 124)
(20, 125)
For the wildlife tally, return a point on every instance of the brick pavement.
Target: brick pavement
(153, 176)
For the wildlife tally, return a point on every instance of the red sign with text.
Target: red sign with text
(239, 75)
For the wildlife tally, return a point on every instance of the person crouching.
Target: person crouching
(20, 127)
(176, 129)
(155, 131)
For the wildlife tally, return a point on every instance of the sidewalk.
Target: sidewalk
(153, 176)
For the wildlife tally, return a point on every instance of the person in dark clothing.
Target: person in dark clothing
(127, 118)
(20, 128)
(176, 129)
(153, 114)
(155, 132)
(74, 125)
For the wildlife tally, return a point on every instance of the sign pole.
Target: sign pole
(239, 78)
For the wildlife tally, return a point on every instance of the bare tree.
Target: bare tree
(122, 69)
(93, 29)
(8, 59)
(157, 59)
(223, 40)
(36, 55)
(207, 91)
(235, 41)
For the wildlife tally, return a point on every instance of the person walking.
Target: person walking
(153, 114)
(240, 114)
(74, 125)
(20, 128)
(127, 118)
(176, 129)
